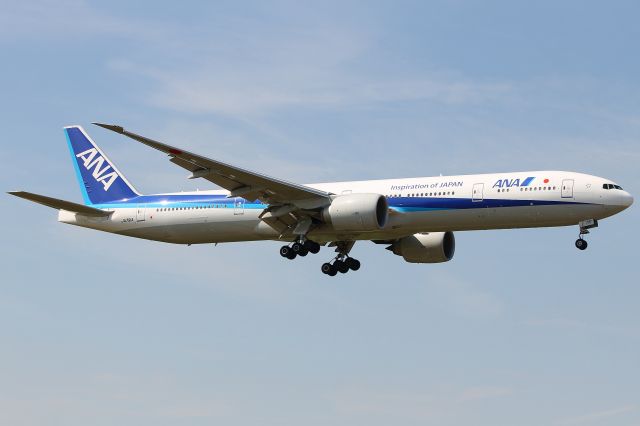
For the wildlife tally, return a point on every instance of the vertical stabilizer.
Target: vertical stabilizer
(100, 181)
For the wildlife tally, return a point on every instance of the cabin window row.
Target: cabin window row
(208, 206)
(539, 188)
(422, 194)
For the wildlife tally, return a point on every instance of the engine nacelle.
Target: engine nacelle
(357, 212)
(434, 247)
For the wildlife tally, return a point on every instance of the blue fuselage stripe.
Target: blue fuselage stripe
(397, 203)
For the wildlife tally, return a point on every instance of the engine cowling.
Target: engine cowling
(357, 212)
(432, 247)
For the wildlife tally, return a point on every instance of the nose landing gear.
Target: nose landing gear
(585, 225)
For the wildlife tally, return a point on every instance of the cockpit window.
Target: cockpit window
(611, 186)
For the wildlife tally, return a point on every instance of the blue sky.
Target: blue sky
(520, 328)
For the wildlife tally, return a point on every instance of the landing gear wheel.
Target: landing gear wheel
(581, 244)
(328, 269)
(312, 246)
(284, 251)
(341, 266)
(299, 249)
(353, 264)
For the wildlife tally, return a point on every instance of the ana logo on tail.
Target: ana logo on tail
(92, 159)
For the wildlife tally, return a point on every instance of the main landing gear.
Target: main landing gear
(342, 262)
(342, 265)
(585, 225)
(299, 249)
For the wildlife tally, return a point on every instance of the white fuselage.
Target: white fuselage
(425, 204)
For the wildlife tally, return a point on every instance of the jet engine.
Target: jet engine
(432, 247)
(357, 212)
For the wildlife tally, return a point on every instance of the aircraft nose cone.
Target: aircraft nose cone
(627, 199)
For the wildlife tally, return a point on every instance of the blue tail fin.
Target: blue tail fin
(100, 181)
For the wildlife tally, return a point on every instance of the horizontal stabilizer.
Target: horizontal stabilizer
(60, 204)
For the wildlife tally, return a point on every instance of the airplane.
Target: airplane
(414, 217)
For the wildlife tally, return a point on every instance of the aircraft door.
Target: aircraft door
(478, 192)
(567, 188)
(238, 206)
(141, 214)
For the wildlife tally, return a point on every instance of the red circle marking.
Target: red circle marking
(546, 181)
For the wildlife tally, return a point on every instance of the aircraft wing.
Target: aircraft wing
(240, 182)
(57, 203)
